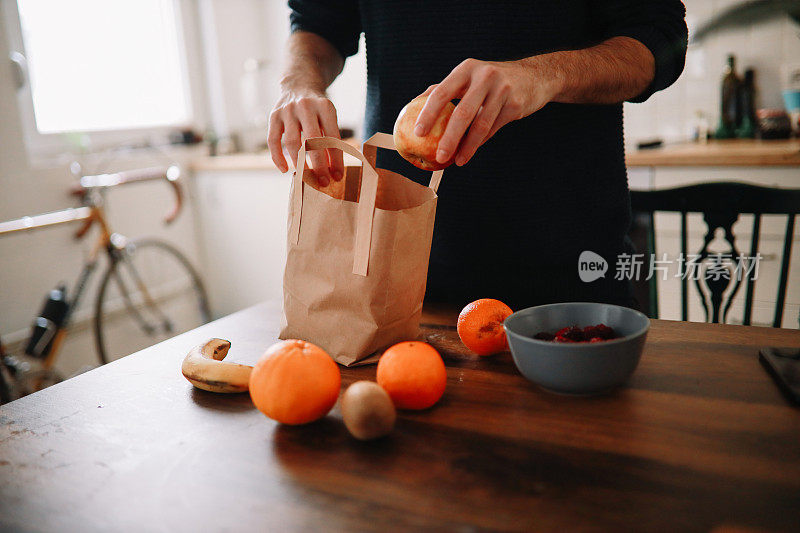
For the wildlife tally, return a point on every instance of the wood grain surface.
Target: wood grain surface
(730, 152)
(700, 439)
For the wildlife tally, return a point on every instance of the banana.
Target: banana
(204, 367)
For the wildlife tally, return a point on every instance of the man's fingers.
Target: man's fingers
(429, 89)
(480, 127)
(291, 140)
(319, 162)
(274, 142)
(452, 86)
(330, 128)
(462, 117)
(309, 122)
(505, 116)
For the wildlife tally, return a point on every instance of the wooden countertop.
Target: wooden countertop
(700, 439)
(254, 161)
(236, 162)
(734, 152)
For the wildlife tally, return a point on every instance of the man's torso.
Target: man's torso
(539, 192)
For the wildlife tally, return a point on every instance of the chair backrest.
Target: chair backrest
(721, 204)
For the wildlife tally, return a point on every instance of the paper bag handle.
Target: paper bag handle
(366, 202)
(384, 140)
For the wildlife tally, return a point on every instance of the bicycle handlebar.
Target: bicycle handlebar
(104, 181)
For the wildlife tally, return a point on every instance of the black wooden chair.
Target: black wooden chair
(721, 204)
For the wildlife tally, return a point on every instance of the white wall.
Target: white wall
(234, 27)
(764, 47)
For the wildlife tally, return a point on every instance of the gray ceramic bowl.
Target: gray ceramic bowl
(576, 368)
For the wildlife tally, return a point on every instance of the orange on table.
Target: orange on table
(480, 326)
(413, 374)
(295, 382)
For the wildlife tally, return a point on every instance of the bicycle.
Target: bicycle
(149, 291)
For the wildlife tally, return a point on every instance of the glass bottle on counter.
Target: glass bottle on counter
(700, 128)
(730, 113)
(747, 107)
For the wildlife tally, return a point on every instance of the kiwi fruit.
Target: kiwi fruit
(367, 410)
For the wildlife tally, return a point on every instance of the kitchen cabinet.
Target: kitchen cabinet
(242, 214)
(769, 164)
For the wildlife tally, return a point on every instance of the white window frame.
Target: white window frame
(43, 147)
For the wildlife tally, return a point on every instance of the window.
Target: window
(99, 65)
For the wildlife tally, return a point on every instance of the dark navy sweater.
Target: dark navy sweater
(513, 221)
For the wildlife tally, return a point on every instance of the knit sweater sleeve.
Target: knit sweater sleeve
(337, 21)
(658, 24)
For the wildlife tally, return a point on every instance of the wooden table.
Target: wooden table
(701, 439)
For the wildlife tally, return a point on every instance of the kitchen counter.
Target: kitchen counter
(734, 152)
(243, 161)
(700, 439)
(254, 161)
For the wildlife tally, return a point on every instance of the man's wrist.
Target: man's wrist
(302, 84)
(543, 77)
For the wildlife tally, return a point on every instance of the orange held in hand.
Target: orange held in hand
(480, 326)
(413, 374)
(295, 382)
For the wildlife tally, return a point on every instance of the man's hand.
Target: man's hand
(492, 95)
(303, 109)
(298, 115)
(495, 93)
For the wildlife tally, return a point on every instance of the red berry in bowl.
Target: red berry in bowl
(597, 333)
(575, 334)
(605, 331)
(563, 332)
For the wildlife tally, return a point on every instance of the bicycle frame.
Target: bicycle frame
(93, 214)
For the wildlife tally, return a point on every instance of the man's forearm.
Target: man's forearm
(494, 93)
(312, 62)
(613, 71)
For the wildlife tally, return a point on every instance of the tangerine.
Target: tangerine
(480, 326)
(413, 374)
(295, 382)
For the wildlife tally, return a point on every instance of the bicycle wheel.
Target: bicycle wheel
(149, 293)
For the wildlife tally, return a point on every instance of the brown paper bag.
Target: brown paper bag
(356, 267)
